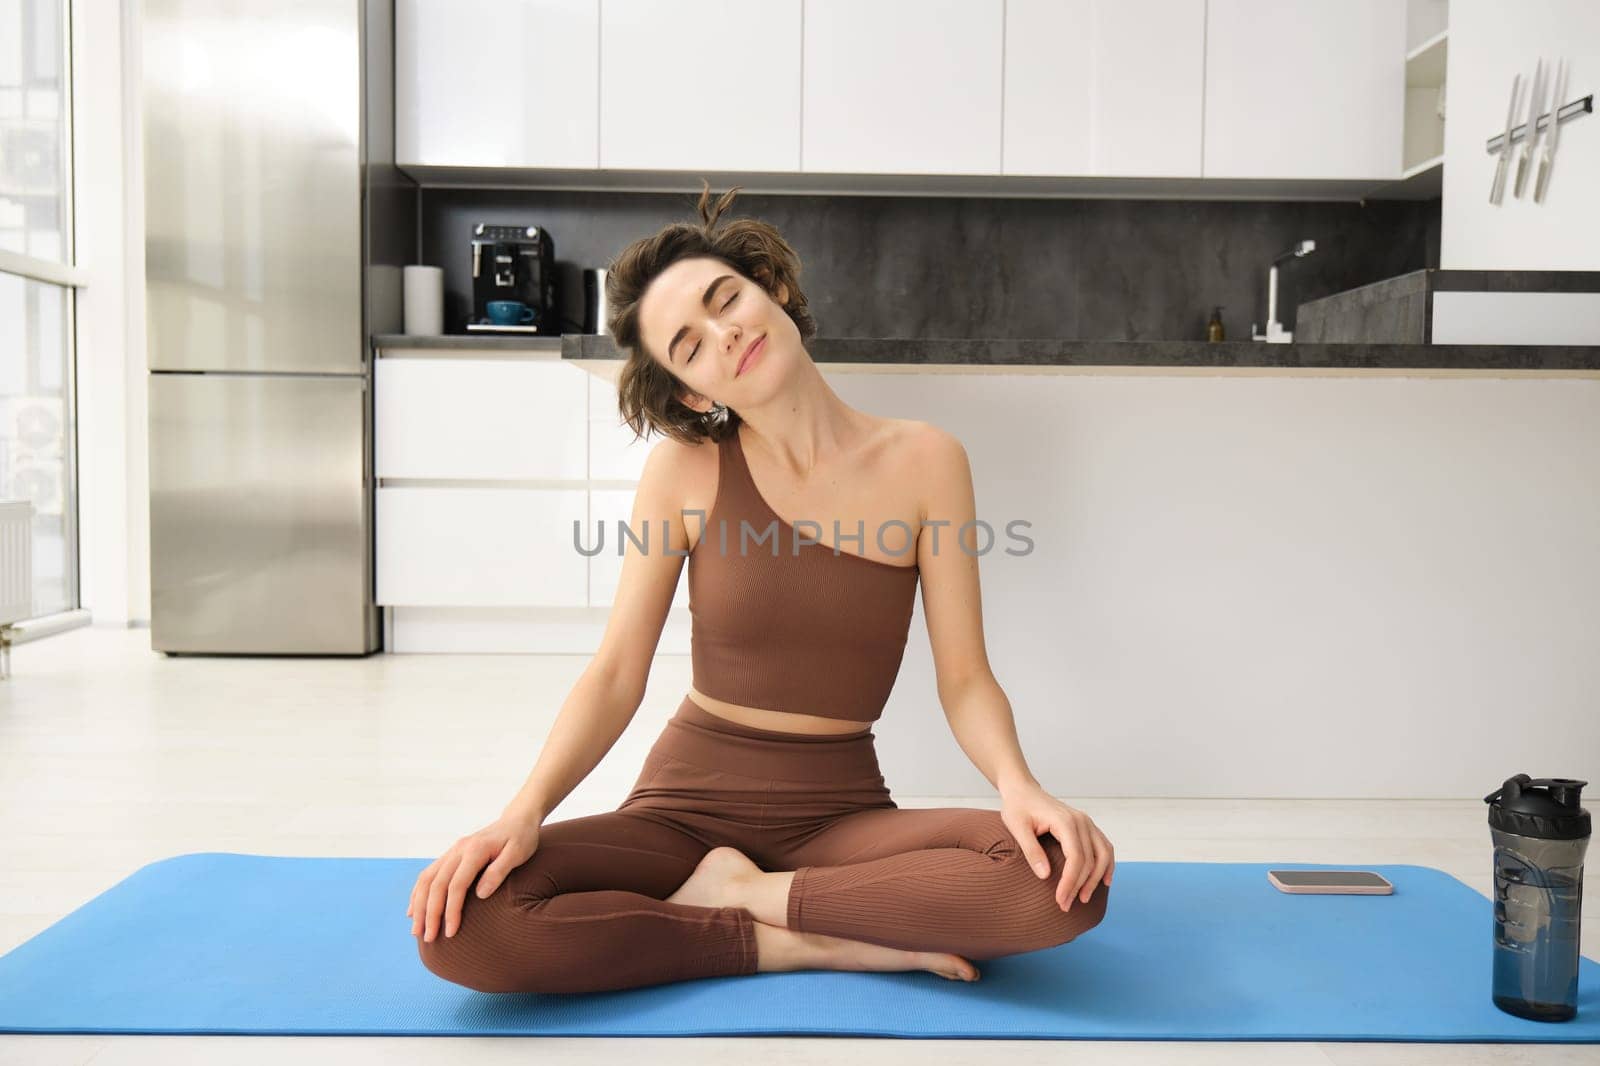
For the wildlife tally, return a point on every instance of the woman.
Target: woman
(759, 834)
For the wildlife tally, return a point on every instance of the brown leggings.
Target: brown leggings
(588, 911)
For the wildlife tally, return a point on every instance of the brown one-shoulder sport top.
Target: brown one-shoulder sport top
(808, 629)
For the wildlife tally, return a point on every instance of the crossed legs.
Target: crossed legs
(591, 910)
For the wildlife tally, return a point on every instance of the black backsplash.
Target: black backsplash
(946, 266)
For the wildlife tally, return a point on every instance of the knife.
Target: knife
(1547, 156)
(1499, 186)
(1535, 99)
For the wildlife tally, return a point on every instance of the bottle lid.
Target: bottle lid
(1523, 806)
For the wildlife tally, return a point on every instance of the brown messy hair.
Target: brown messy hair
(647, 392)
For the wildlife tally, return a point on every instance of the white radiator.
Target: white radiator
(16, 560)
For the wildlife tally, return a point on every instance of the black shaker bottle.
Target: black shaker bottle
(1540, 834)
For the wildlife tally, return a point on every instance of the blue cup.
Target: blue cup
(510, 313)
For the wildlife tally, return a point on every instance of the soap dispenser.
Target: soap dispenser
(1214, 327)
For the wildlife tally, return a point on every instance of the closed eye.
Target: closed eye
(725, 306)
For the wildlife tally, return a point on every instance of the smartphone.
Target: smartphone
(1345, 882)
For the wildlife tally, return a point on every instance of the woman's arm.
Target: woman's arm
(607, 696)
(595, 713)
(978, 711)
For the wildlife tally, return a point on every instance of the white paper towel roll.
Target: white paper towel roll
(424, 300)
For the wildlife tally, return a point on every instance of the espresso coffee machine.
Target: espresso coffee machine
(514, 263)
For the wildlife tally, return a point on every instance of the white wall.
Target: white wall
(1490, 41)
(112, 453)
(1275, 585)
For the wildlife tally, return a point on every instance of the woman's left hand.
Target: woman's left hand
(1088, 854)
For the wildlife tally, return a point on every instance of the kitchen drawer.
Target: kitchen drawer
(614, 453)
(609, 507)
(481, 547)
(602, 398)
(479, 418)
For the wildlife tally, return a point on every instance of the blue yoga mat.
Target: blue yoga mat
(256, 944)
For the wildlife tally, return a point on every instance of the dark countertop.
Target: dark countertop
(1508, 280)
(935, 354)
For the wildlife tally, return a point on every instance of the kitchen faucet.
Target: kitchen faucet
(1275, 333)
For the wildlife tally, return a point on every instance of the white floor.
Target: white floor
(112, 756)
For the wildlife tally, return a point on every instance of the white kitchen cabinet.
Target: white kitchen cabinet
(480, 418)
(700, 85)
(896, 88)
(497, 83)
(1310, 89)
(1104, 87)
(602, 397)
(465, 546)
(609, 507)
(614, 453)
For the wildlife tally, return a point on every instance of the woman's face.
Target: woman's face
(698, 318)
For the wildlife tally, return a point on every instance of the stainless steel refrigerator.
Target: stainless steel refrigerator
(276, 226)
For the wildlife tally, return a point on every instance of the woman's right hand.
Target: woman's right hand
(442, 887)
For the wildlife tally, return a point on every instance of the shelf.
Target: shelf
(1422, 153)
(1425, 64)
(1420, 168)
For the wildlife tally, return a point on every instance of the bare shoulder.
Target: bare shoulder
(669, 453)
(933, 461)
(923, 443)
(680, 477)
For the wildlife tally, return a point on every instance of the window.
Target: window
(38, 283)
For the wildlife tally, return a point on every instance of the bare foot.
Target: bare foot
(860, 955)
(724, 877)
(717, 880)
(787, 949)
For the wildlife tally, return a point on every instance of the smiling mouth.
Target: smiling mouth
(749, 355)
